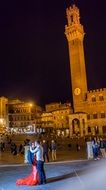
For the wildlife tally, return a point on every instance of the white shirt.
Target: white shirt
(39, 152)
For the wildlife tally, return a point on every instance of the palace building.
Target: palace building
(55, 117)
(17, 116)
(23, 116)
(89, 117)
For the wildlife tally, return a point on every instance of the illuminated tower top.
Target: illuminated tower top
(73, 28)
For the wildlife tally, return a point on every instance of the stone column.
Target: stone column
(93, 130)
(71, 128)
(26, 149)
(86, 128)
(81, 129)
(89, 150)
(100, 130)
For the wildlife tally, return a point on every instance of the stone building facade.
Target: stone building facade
(56, 118)
(3, 114)
(18, 116)
(23, 116)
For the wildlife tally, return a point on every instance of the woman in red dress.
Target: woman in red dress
(32, 179)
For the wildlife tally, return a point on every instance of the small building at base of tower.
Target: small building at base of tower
(78, 125)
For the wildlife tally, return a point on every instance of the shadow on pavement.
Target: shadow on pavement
(71, 175)
(54, 179)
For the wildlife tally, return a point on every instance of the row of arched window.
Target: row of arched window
(96, 115)
(94, 98)
(21, 118)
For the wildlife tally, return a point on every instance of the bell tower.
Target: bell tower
(75, 35)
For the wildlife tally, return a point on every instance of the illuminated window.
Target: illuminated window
(89, 129)
(95, 116)
(96, 130)
(102, 115)
(88, 116)
(93, 99)
(101, 98)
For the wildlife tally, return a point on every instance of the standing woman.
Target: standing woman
(33, 178)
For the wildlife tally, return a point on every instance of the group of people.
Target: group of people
(37, 155)
(47, 148)
(99, 148)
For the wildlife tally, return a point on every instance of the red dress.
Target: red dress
(32, 179)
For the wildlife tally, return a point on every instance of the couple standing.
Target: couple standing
(37, 177)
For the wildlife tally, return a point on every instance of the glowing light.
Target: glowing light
(1, 121)
(30, 104)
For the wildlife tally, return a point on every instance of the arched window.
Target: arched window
(88, 116)
(96, 129)
(93, 99)
(95, 116)
(89, 129)
(101, 98)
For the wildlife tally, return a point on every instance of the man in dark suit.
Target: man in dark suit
(45, 150)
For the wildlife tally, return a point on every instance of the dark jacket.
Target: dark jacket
(45, 147)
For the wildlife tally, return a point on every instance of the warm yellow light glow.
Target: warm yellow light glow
(1, 121)
(30, 104)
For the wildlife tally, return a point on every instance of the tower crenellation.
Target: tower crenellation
(73, 29)
(73, 15)
(97, 90)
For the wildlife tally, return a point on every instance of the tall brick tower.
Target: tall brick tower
(75, 35)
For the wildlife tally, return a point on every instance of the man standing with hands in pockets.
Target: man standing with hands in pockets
(40, 161)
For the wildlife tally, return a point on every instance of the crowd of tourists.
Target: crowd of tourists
(99, 148)
(7, 144)
(50, 146)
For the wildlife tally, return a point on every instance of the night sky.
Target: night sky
(34, 60)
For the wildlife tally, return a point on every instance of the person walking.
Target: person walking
(45, 150)
(102, 148)
(39, 161)
(53, 149)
